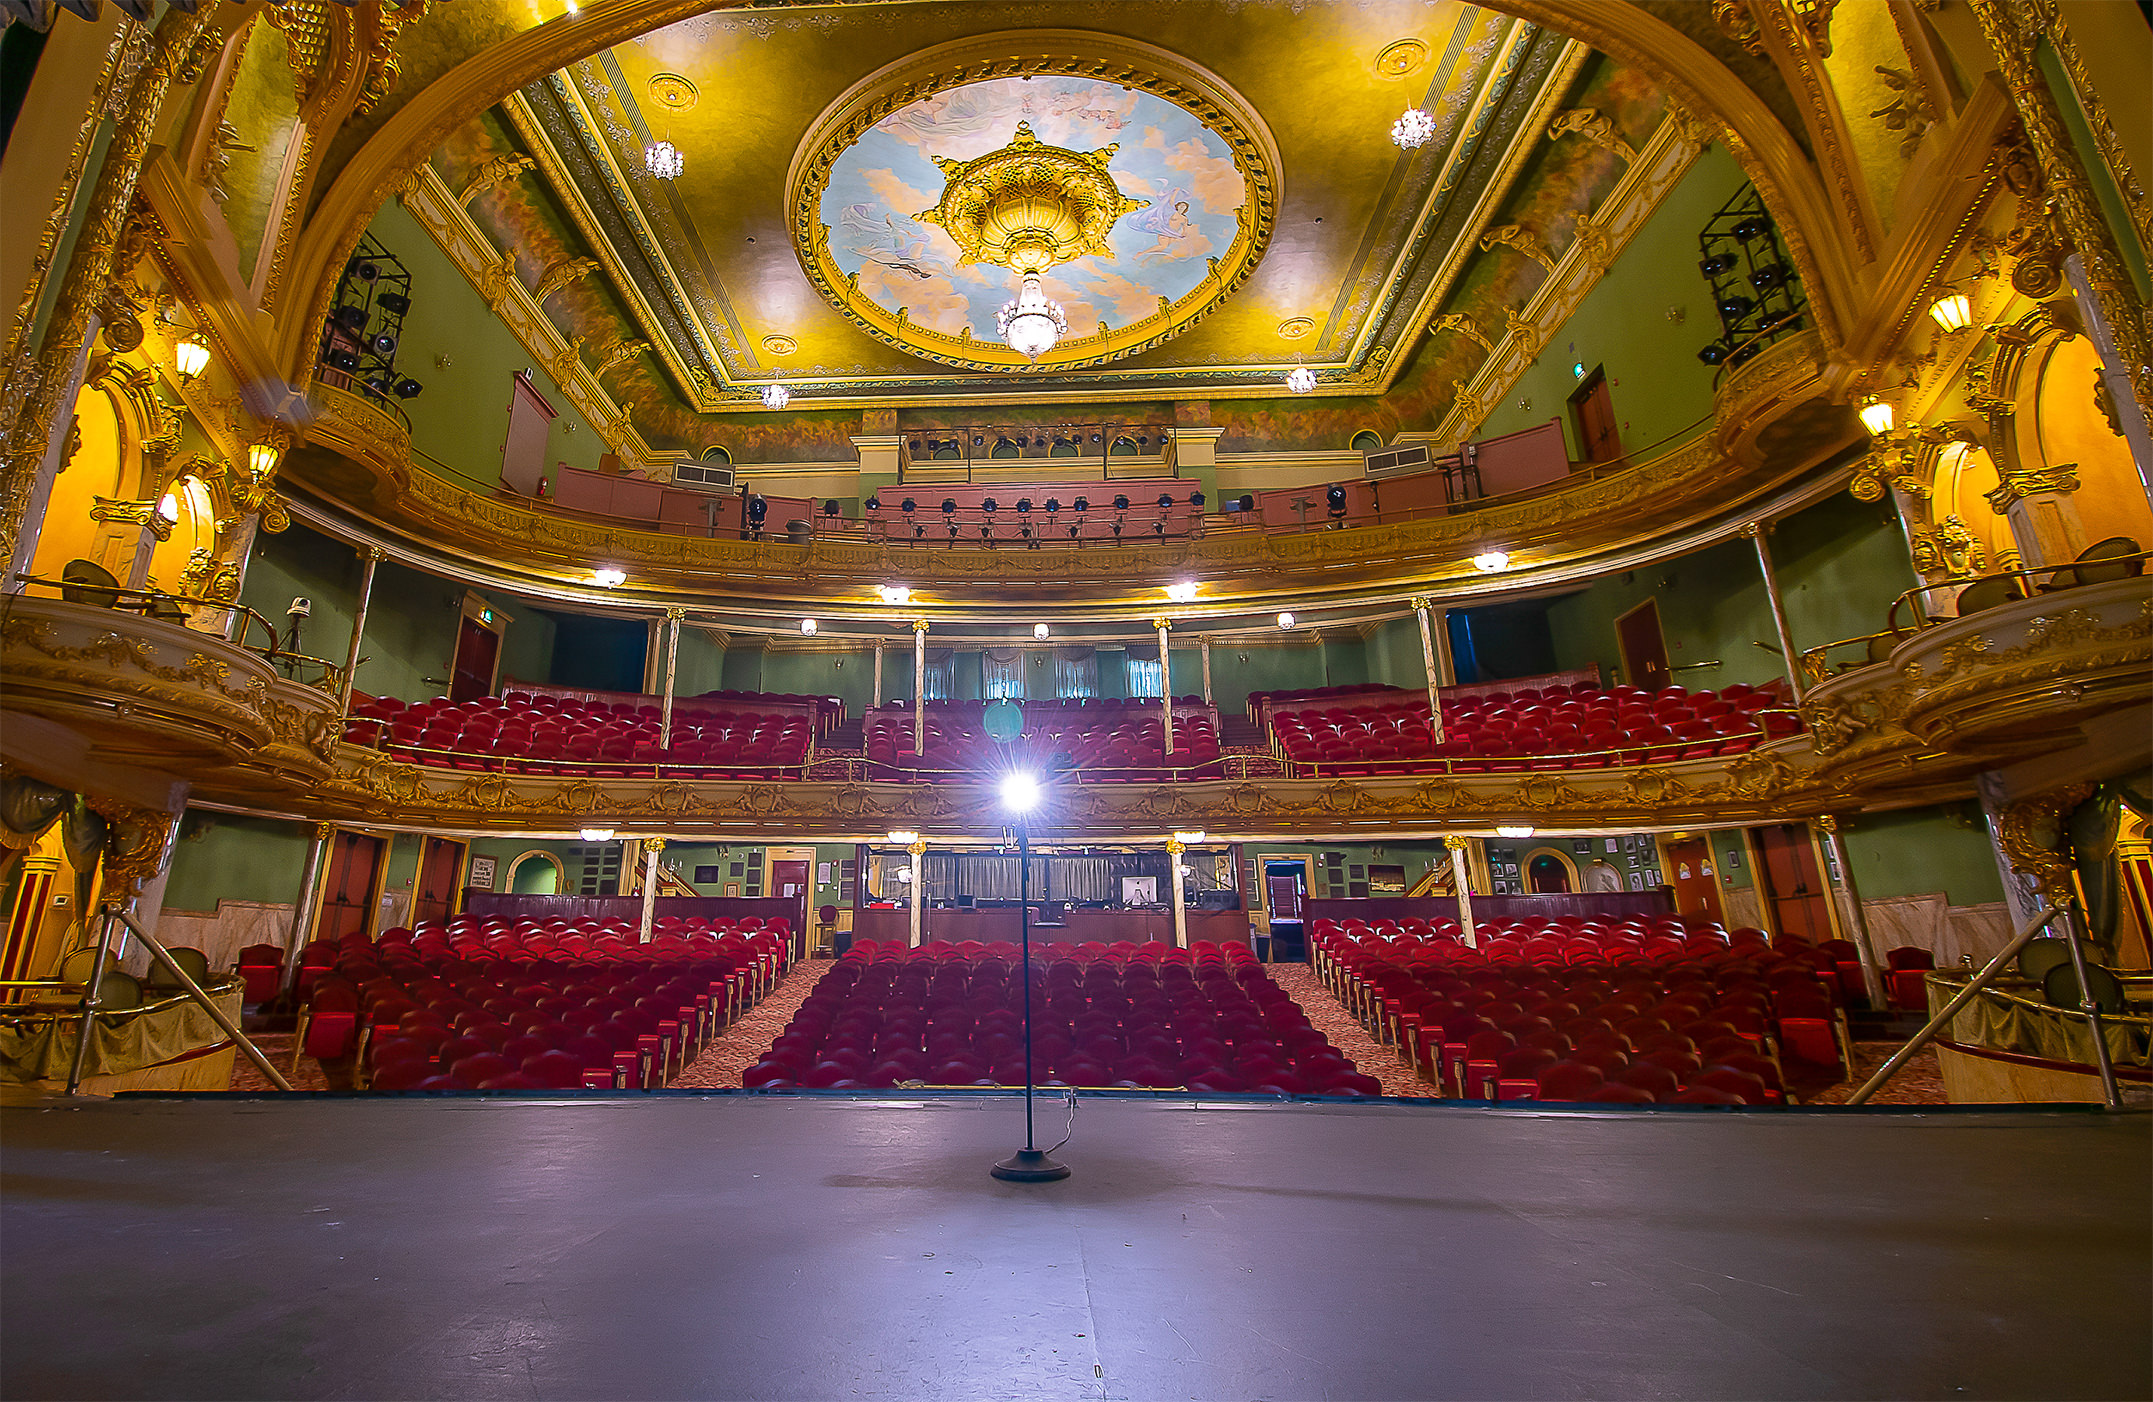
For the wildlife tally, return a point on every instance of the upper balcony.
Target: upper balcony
(2016, 665)
(127, 683)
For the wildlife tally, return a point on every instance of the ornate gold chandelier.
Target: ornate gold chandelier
(1029, 207)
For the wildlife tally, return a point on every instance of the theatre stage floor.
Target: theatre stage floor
(730, 1246)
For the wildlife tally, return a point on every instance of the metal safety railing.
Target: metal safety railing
(2088, 1006)
(114, 913)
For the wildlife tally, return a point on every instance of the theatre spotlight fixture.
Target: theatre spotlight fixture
(597, 834)
(1286, 620)
(609, 579)
(807, 627)
(1876, 416)
(1514, 830)
(1489, 561)
(1713, 353)
(1020, 793)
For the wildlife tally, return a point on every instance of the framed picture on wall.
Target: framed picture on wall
(1637, 881)
(732, 888)
(482, 869)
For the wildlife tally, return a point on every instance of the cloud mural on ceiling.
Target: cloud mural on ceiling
(1166, 157)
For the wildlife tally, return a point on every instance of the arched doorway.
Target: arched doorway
(1546, 873)
(536, 874)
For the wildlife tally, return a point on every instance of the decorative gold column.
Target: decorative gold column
(1206, 649)
(878, 673)
(2015, 31)
(1175, 846)
(1427, 662)
(673, 614)
(141, 530)
(27, 444)
(917, 848)
(306, 911)
(1166, 680)
(372, 558)
(1872, 979)
(1462, 882)
(2044, 520)
(652, 846)
(1755, 531)
(919, 686)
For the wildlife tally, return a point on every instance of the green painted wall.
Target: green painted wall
(1345, 661)
(462, 418)
(1840, 564)
(1731, 859)
(1921, 850)
(700, 664)
(411, 620)
(1394, 656)
(848, 675)
(1238, 670)
(238, 859)
(1655, 381)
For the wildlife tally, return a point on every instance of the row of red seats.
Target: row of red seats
(1209, 1021)
(1561, 727)
(423, 1011)
(518, 733)
(1688, 1028)
(1113, 743)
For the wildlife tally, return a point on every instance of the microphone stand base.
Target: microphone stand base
(1030, 1166)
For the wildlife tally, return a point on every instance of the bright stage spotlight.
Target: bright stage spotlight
(1020, 793)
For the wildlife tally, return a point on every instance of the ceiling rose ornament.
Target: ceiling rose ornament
(1029, 207)
(1401, 57)
(1413, 130)
(673, 92)
(1133, 255)
(780, 345)
(1296, 328)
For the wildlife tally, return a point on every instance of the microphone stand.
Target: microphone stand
(1029, 1164)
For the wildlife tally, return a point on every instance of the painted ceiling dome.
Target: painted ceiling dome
(1139, 188)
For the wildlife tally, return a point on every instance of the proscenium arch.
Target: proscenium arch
(1688, 73)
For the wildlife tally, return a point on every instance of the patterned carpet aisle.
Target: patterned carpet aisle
(277, 1046)
(742, 1045)
(1334, 1022)
(1919, 1082)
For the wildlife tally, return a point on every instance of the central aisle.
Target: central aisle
(741, 1246)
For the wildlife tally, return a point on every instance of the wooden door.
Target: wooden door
(1282, 890)
(1598, 435)
(478, 654)
(1687, 866)
(1796, 901)
(1643, 646)
(439, 867)
(793, 880)
(347, 901)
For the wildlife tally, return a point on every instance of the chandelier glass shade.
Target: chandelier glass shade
(1301, 380)
(1413, 130)
(190, 357)
(664, 160)
(776, 396)
(1031, 324)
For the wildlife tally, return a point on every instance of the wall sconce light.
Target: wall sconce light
(609, 579)
(1514, 830)
(1041, 631)
(807, 627)
(190, 357)
(1953, 311)
(1285, 620)
(1490, 561)
(1876, 416)
(597, 834)
(262, 459)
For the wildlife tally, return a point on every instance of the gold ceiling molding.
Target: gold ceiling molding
(1023, 54)
(490, 71)
(1602, 236)
(441, 213)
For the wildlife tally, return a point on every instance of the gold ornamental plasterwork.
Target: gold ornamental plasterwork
(1035, 53)
(1029, 206)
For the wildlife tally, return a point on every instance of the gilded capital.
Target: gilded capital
(1456, 843)
(1420, 603)
(676, 612)
(131, 513)
(1175, 846)
(1162, 623)
(1827, 823)
(652, 846)
(917, 847)
(2053, 479)
(919, 625)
